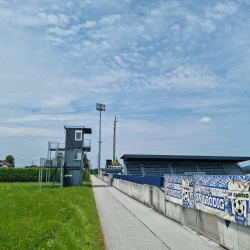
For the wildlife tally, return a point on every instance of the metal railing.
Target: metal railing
(54, 145)
(87, 143)
(55, 162)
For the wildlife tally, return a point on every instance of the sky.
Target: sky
(176, 73)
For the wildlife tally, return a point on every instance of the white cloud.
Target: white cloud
(55, 7)
(120, 61)
(111, 19)
(90, 24)
(54, 40)
(206, 119)
(26, 131)
(61, 32)
(180, 64)
(57, 101)
(193, 79)
(3, 2)
(42, 19)
(70, 4)
(152, 63)
(208, 26)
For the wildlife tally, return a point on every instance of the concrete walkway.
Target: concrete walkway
(128, 224)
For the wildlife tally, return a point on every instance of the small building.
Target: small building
(140, 165)
(5, 164)
(34, 166)
(74, 149)
(68, 157)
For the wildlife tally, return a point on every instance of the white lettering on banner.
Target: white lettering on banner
(174, 193)
(211, 201)
(245, 196)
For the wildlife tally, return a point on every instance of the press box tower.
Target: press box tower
(75, 146)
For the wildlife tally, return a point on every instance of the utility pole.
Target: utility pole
(114, 139)
(100, 107)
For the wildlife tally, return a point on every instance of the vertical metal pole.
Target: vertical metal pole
(114, 140)
(49, 176)
(61, 183)
(39, 178)
(164, 196)
(196, 211)
(48, 150)
(99, 160)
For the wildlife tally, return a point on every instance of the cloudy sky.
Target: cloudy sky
(176, 73)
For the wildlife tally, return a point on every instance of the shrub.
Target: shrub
(32, 174)
(85, 175)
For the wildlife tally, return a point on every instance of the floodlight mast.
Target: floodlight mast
(114, 140)
(100, 107)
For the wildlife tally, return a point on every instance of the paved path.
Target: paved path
(127, 224)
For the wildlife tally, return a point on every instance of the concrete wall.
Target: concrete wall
(136, 191)
(141, 193)
(235, 237)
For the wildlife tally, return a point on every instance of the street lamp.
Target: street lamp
(100, 107)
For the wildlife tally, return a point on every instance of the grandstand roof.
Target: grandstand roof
(190, 158)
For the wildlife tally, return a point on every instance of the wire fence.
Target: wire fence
(230, 233)
(232, 236)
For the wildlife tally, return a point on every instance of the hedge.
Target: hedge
(31, 175)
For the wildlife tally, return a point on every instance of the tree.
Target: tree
(116, 159)
(86, 162)
(10, 159)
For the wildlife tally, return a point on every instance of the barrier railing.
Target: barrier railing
(151, 180)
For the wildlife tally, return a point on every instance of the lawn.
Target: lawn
(48, 218)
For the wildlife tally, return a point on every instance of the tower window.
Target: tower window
(77, 154)
(78, 135)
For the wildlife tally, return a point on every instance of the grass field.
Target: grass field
(58, 218)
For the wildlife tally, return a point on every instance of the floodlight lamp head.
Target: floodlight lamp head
(100, 107)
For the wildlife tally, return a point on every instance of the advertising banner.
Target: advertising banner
(225, 196)
(179, 189)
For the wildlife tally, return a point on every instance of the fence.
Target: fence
(215, 206)
(225, 232)
(229, 234)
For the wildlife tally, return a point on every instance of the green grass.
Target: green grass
(48, 218)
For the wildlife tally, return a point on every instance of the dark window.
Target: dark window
(78, 135)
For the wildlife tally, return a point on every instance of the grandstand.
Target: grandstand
(140, 165)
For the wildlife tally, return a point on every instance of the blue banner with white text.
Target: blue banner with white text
(179, 189)
(225, 196)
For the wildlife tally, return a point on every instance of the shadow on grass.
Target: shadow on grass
(87, 184)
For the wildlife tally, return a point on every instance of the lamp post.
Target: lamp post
(100, 107)
(115, 121)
